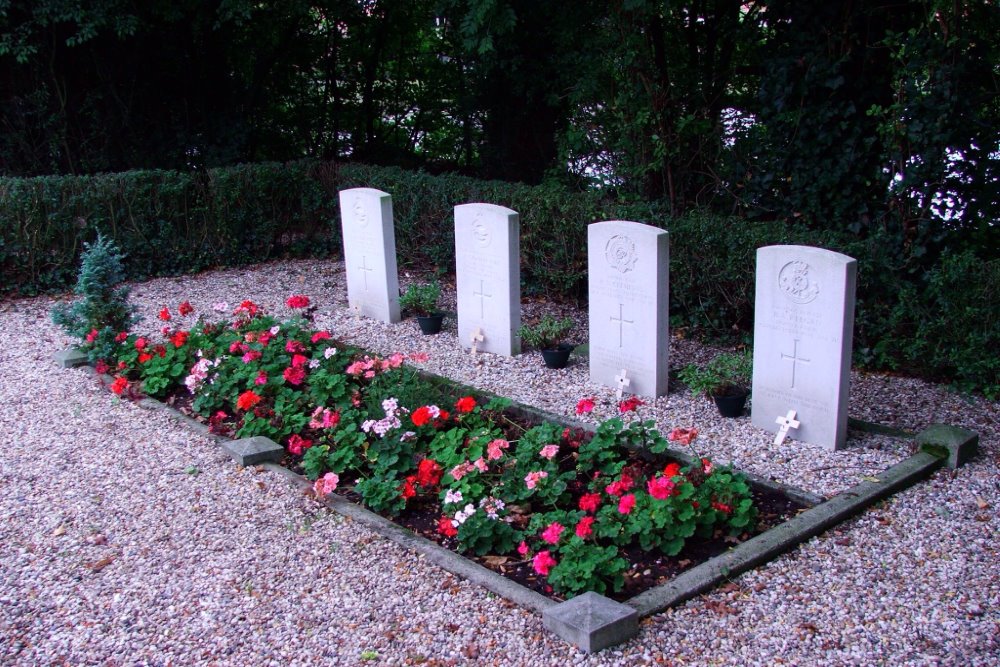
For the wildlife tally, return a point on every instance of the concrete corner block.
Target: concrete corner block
(71, 357)
(592, 621)
(957, 445)
(251, 451)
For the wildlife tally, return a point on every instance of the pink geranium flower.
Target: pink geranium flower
(326, 484)
(549, 451)
(584, 529)
(660, 487)
(532, 478)
(494, 450)
(685, 436)
(627, 503)
(552, 532)
(543, 562)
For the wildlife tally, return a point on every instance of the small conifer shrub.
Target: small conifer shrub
(102, 312)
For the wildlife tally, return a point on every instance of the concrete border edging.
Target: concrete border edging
(785, 536)
(591, 621)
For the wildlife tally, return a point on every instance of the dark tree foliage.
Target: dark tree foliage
(868, 116)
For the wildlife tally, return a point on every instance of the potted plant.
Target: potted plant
(725, 378)
(422, 300)
(547, 335)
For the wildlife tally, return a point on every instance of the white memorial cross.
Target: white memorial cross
(786, 422)
(622, 381)
(476, 338)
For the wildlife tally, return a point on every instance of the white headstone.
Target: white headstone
(488, 277)
(370, 253)
(803, 334)
(628, 267)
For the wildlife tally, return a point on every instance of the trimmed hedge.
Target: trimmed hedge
(943, 322)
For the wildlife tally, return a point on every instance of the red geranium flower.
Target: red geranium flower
(101, 367)
(429, 473)
(299, 360)
(297, 444)
(446, 527)
(160, 351)
(722, 507)
(672, 470)
(185, 308)
(247, 400)
(409, 490)
(298, 301)
(585, 527)
(629, 404)
(92, 336)
(119, 385)
(121, 337)
(590, 502)
(140, 343)
(294, 347)
(179, 338)
(295, 375)
(320, 335)
(421, 416)
(144, 357)
(165, 315)
(585, 405)
(465, 404)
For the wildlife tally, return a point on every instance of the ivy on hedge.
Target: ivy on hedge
(939, 320)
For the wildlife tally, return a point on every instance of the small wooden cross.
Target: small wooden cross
(622, 382)
(786, 422)
(357, 313)
(476, 338)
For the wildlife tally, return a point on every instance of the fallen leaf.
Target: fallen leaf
(61, 530)
(101, 564)
(729, 588)
(496, 561)
(843, 541)
(982, 504)
(808, 626)
(869, 478)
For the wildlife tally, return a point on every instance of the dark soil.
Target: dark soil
(646, 570)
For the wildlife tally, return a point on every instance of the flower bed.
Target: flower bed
(567, 510)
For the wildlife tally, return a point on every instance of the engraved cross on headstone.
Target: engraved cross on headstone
(482, 295)
(794, 358)
(621, 322)
(367, 269)
(786, 422)
(476, 338)
(622, 381)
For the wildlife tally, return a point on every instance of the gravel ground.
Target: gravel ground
(125, 539)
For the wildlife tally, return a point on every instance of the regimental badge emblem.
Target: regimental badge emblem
(481, 231)
(620, 253)
(795, 280)
(360, 214)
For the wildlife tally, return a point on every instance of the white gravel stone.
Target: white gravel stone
(111, 554)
